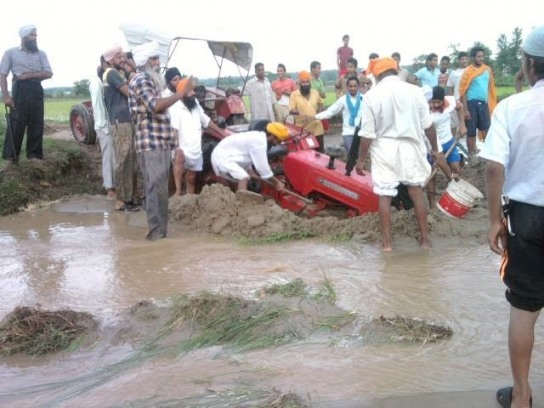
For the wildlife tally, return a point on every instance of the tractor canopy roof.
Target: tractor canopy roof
(239, 53)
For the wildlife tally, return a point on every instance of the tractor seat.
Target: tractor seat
(335, 152)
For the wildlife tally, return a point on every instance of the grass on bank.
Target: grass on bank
(66, 169)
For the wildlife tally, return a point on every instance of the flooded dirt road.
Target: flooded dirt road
(80, 254)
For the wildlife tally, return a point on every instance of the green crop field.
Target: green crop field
(58, 109)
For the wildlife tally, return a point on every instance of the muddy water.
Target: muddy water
(82, 255)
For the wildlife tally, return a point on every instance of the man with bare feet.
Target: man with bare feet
(395, 122)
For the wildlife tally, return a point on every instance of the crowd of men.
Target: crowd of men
(147, 121)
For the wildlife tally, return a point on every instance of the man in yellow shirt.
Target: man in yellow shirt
(306, 103)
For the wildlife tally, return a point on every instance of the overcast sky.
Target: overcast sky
(74, 33)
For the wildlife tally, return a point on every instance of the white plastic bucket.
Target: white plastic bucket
(458, 198)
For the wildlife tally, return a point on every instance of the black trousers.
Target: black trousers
(27, 116)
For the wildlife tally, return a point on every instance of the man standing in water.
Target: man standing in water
(29, 67)
(154, 137)
(395, 122)
(513, 150)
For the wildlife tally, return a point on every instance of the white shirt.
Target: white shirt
(96, 89)
(189, 125)
(454, 80)
(516, 140)
(261, 99)
(395, 110)
(341, 105)
(442, 121)
(245, 149)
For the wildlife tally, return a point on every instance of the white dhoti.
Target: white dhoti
(397, 161)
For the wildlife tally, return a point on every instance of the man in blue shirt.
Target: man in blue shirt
(477, 92)
(428, 75)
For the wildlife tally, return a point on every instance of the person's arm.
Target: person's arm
(339, 82)
(460, 112)
(519, 80)
(497, 231)
(332, 110)
(5, 68)
(367, 133)
(496, 152)
(364, 147)
(8, 101)
(145, 89)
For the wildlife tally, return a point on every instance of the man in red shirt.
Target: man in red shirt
(342, 55)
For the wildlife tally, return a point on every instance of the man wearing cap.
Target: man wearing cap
(116, 101)
(236, 156)
(306, 103)
(188, 118)
(515, 169)
(154, 137)
(29, 66)
(395, 122)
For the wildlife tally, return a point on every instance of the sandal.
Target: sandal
(504, 397)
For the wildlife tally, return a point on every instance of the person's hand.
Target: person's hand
(463, 130)
(439, 159)
(227, 132)
(8, 101)
(278, 185)
(467, 115)
(497, 237)
(360, 168)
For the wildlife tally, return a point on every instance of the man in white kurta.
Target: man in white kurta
(395, 123)
(261, 96)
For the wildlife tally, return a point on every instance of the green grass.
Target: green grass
(58, 109)
(294, 288)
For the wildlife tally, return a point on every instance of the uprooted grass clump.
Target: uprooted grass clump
(296, 287)
(216, 319)
(36, 332)
(405, 330)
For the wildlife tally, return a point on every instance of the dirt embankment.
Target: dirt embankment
(67, 169)
(220, 211)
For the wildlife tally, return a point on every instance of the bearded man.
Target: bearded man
(116, 101)
(29, 67)
(189, 119)
(155, 138)
(306, 103)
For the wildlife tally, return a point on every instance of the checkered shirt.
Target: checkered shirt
(153, 130)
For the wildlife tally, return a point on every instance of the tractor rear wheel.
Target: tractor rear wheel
(82, 124)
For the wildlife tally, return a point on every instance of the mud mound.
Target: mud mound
(404, 330)
(220, 211)
(37, 332)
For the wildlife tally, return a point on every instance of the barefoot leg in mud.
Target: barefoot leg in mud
(385, 221)
(417, 196)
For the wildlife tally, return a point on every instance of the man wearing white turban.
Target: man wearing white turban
(515, 169)
(116, 101)
(155, 138)
(29, 67)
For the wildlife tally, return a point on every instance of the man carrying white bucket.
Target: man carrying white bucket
(515, 168)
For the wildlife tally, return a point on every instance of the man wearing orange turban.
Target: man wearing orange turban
(306, 102)
(395, 123)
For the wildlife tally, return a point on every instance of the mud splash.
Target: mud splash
(220, 211)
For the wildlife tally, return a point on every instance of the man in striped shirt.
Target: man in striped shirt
(154, 137)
